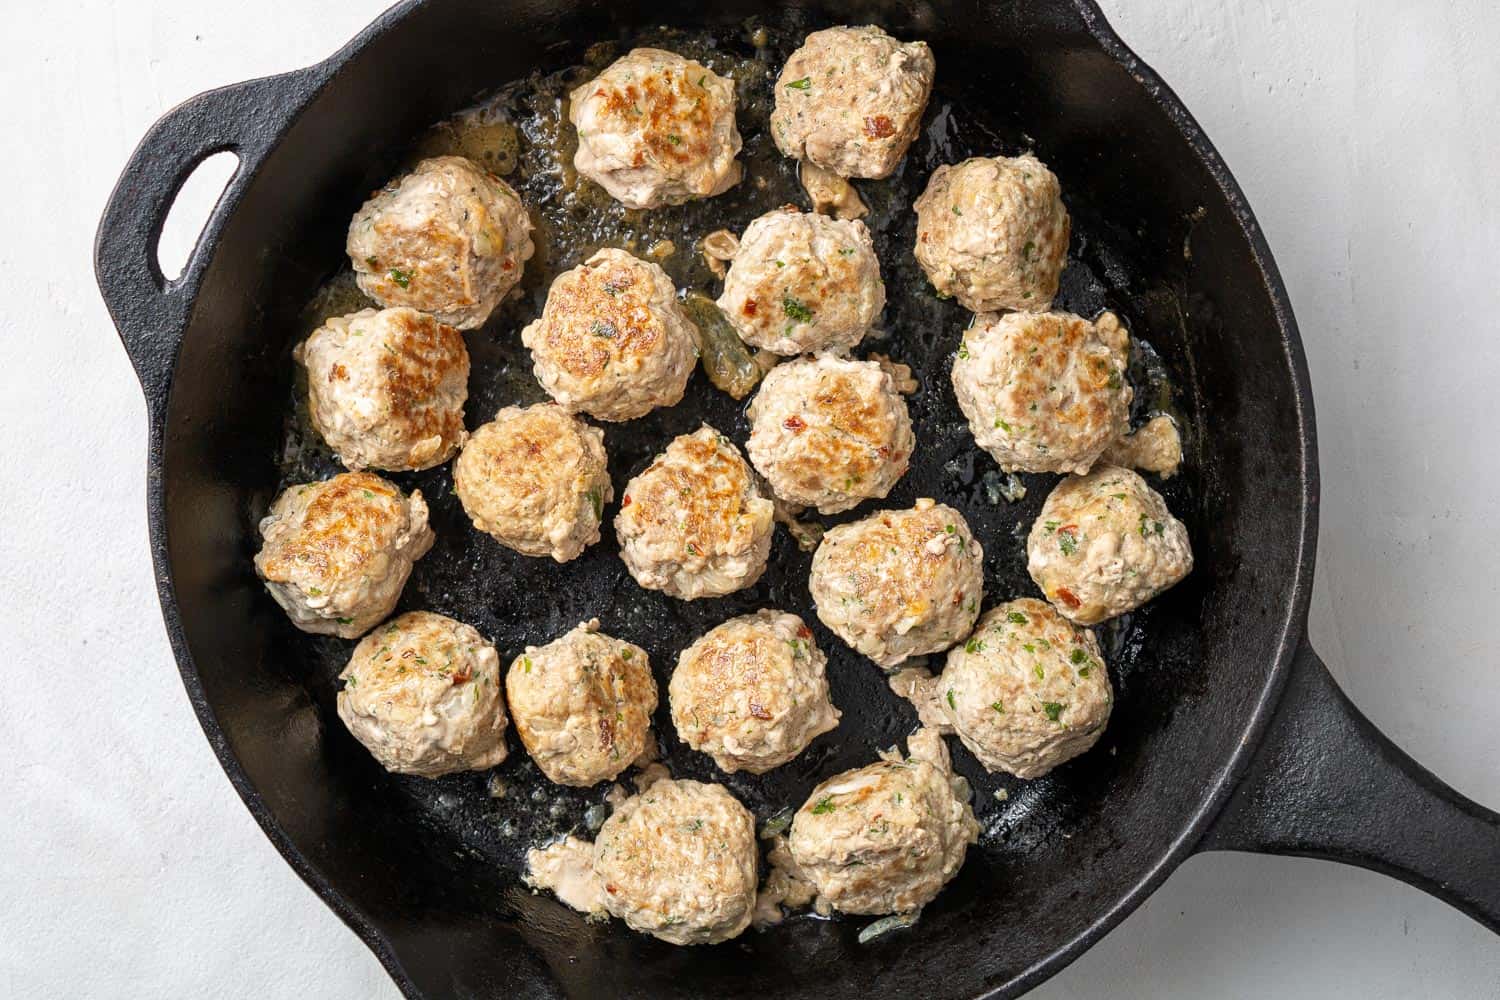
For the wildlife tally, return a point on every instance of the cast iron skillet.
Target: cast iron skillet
(1228, 733)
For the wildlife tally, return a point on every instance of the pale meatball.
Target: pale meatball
(336, 554)
(678, 862)
(1044, 392)
(386, 388)
(656, 129)
(828, 432)
(449, 238)
(899, 583)
(1027, 691)
(851, 99)
(887, 837)
(993, 233)
(422, 693)
(803, 282)
(582, 705)
(752, 693)
(693, 523)
(612, 340)
(536, 480)
(1105, 544)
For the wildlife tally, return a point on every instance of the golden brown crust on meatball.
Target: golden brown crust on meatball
(448, 238)
(693, 523)
(656, 129)
(612, 340)
(752, 692)
(536, 480)
(1044, 392)
(386, 388)
(336, 554)
(830, 432)
(582, 705)
(422, 693)
(899, 583)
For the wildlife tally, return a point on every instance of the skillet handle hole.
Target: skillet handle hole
(191, 208)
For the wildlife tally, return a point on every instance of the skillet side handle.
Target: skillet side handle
(150, 311)
(1326, 783)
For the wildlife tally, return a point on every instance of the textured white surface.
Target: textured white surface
(1358, 129)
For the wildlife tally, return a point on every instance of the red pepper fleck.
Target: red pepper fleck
(804, 632)
(794, 424)
(879, 127)
(749, 307)
(1066, 596)
(626, 502)
(759, 712)
(462, 674)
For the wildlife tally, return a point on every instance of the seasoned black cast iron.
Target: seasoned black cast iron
(1228, 732)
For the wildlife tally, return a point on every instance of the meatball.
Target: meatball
(993, 233)
(656, 129)
(449, 238)
(582, 705)
(1105, 544)
(851, 99)
(828, 432)
(899, 583)
(693, 523)
(887, 837)
(336, 554)
(536, 480)
(422, 693)
(386, 388)
(752, 693)
(1044, 392)
(612, 340)
(679, 862)
(803, 282)
(1028, 690)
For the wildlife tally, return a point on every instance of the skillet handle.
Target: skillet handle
(1325, 783)
(151, 311)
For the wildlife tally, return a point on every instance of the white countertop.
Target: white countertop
(128, 867)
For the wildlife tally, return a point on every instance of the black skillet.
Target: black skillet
(1228, 733)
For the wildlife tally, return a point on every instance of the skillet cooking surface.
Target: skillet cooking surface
(515, 600)
(428, 870)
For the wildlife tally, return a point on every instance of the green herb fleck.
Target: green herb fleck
(802, 84)
(1053, 709)
(963, 350)
(1003, 425)
(400, 277)
(600, 328)
(1114, 380)
(526, 663)
(1016, 618)
(845, 251)
(351, 681)
(344, 621)
(997, 706)
(626, 653)
(1067, 541)
(795, 310)
(950, 700)
(1051, 526)
(957, 210)
(596, 501)
(675, 140)
(1029, 250)
(974, 646)
(368, 495)
(1084, 671)
(314, 591)
(1041, 674)
(1078, 656)
(824, 805)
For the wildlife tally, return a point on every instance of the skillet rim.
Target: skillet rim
(1292, 634)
